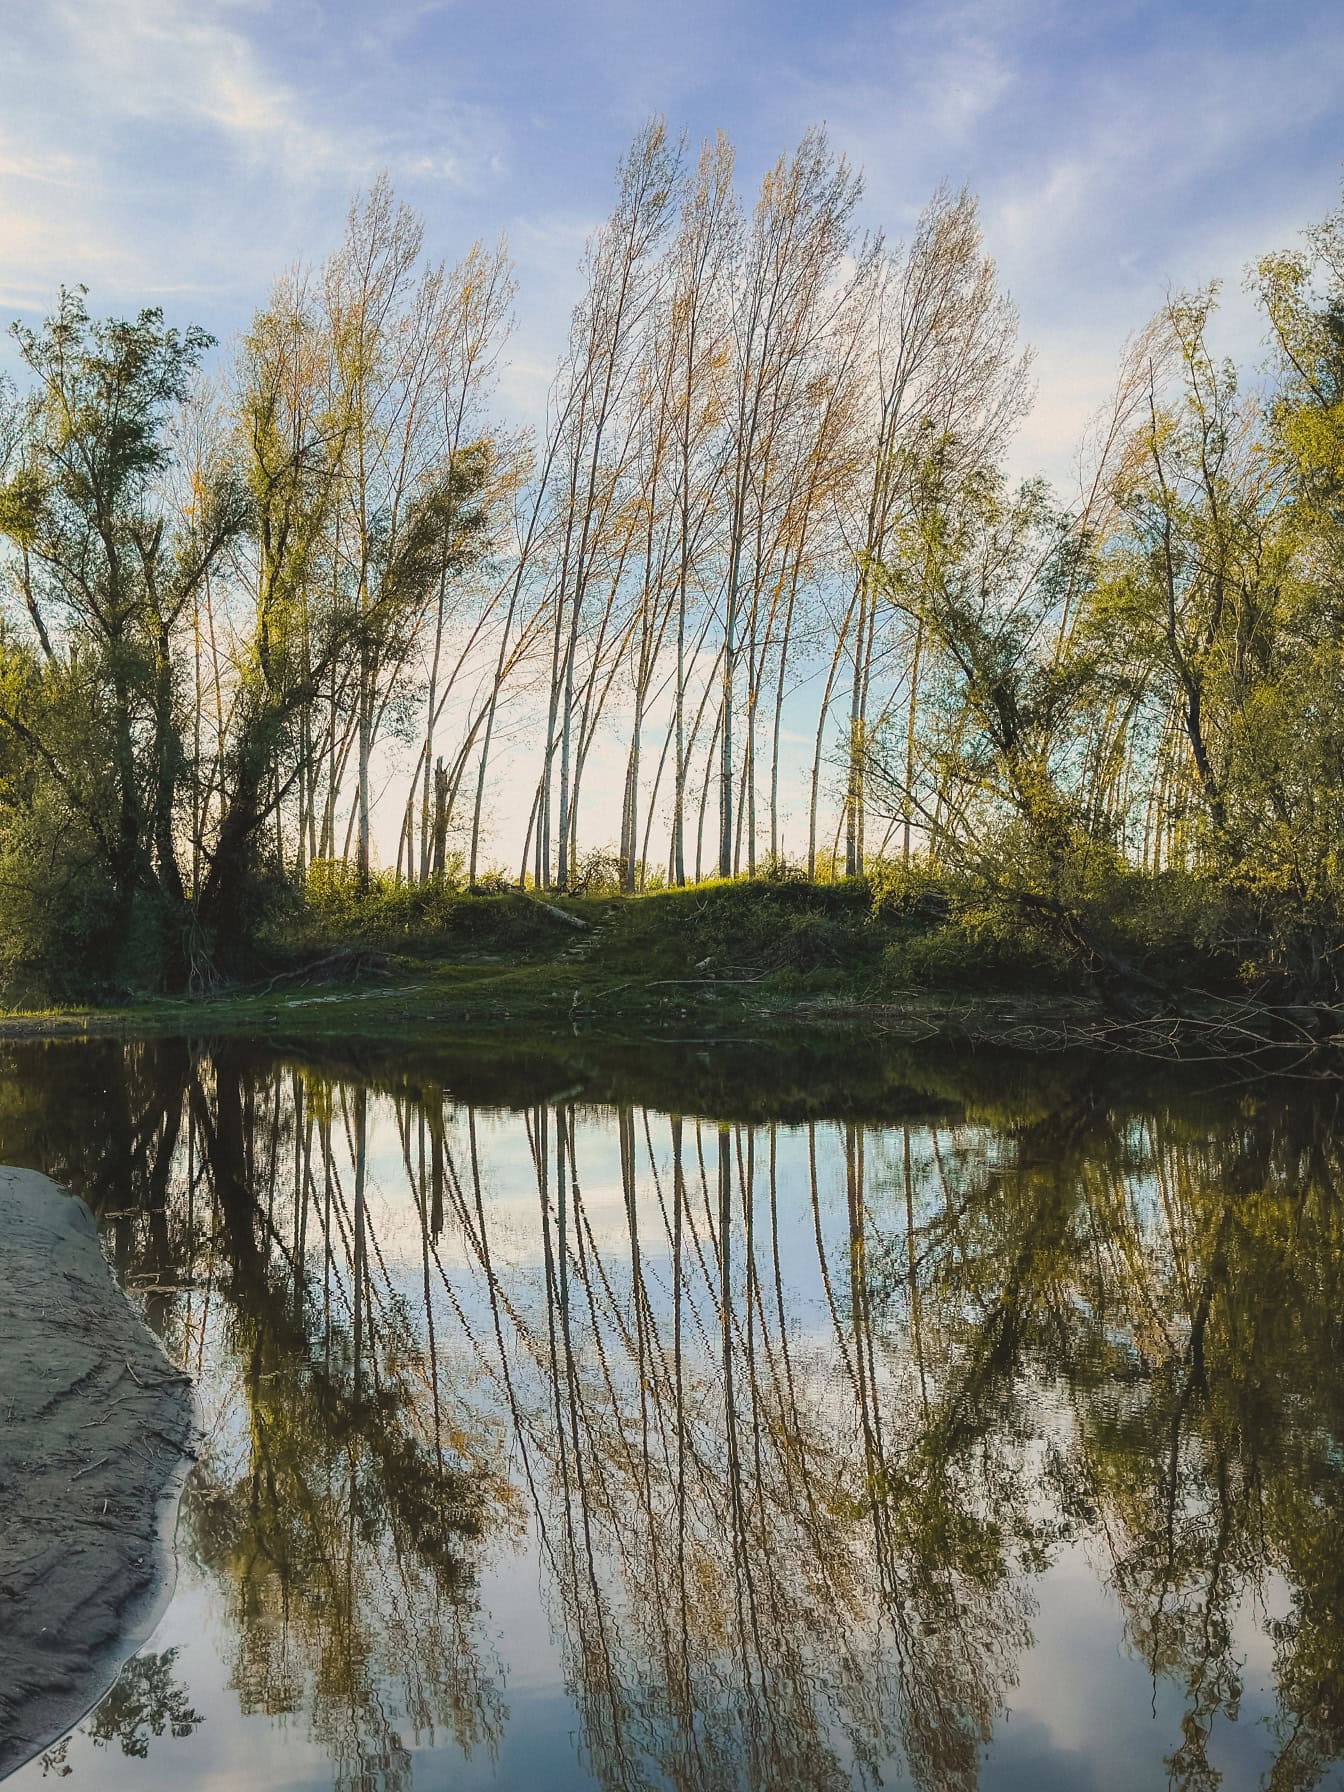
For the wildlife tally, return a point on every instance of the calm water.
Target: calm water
(880, 1426)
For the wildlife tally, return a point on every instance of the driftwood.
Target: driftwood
(349, 961)
(1286, 1040)
(561, 914)
(1257, 1037)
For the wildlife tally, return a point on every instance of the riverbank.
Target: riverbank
(719, 961)
(408, 998)
(96, 1429)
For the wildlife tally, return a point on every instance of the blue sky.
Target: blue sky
(181, 152)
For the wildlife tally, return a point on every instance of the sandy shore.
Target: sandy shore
(94, 1428)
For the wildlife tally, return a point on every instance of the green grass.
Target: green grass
(720, 960)
(898, 956)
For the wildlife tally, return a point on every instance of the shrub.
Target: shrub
(435, 917)
(776, 869)
(953, 957)
(597, 873)
(913, 892)
(60, 931)
(761, 925)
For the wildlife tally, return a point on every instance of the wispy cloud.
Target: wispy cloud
(166, 63)
(1118, 151)
(157, 146)
(194, 147)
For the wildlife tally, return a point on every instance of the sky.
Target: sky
(182, 152)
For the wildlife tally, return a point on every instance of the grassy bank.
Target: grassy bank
(905, 958)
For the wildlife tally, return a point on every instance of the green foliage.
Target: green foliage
(900, 930)
(908, 891)
(777, 868)
(436, 919)
(1155, 677)
(732, 926)
(66, 934)
(961, 957)
(490, 883)
(1113, 737)
(597, 873)
(58, 909)
(91, 716)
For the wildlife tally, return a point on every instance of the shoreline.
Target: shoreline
(424, 1001)
(94, 1454)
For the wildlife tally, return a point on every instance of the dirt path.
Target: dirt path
(94, 1428)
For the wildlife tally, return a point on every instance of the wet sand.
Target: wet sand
(95, 1426)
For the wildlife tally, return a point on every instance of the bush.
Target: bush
(765, 926)
(951, 933)
(776, 869)
(435, 917)
(61, 936)
(493, 883)
(953, 957)
(1183, 929)
(912, 893)
(597, 873)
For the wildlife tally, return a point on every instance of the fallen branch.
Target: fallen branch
(354, 962)
(560, 914)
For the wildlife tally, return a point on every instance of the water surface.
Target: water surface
(725, 1421)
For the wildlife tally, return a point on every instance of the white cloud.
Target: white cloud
(165, 61)
(157, 147)
(1116, 154)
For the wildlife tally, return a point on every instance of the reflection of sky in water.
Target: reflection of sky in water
(1080, 1719)
(1082, 1714)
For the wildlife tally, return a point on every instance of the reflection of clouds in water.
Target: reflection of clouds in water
(1026, 1758)
(882, 1481)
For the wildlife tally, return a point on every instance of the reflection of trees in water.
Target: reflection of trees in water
(343, 1524)
(737, 1607)
(1183, 1290)
(339, 1520)
(147, 1701)
(785, 1534)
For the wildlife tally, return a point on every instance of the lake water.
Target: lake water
(634, 1418)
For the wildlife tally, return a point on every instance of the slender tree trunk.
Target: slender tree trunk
(823, 716)
(912, 712)
(439, 850)
(365, 744)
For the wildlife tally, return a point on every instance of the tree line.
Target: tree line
(768, 485)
